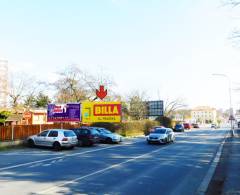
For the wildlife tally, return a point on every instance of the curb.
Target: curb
(207, 179)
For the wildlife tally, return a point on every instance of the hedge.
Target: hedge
(131, 128)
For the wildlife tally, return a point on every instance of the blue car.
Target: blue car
(107, 136)
(179, 128)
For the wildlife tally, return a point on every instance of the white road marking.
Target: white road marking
(51, 189)
(64, 156)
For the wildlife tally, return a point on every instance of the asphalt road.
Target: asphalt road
(132, 167)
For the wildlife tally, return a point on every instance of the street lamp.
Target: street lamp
(231, 118)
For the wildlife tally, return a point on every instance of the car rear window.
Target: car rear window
(69, 134)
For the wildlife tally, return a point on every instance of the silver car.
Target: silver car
(56, 138)
(107, 136)
(161, 135)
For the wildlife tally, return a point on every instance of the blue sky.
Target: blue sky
(167, 48)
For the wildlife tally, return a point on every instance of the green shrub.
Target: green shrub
(131, 128)
(149, 125)
(110, 126)
(165, 121)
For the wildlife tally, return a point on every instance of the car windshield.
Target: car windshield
(106, 131)
(159, 131)
(69, 134)
(178, 125)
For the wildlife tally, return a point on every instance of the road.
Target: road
(132, 167)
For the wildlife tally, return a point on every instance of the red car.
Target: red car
(187, 126)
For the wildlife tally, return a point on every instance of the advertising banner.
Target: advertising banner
(64, 112)
(101, 112)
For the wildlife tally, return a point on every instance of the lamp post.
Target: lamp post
(231, 118)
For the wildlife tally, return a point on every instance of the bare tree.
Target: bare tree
(235, 34)
(233, 3)
(75, 85)
(21, 86)
(172, 105)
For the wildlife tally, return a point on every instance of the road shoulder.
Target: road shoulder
(226, 179)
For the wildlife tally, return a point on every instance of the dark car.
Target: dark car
(179, 128)
(195, 125)
(86, 136)
(187, 126)
(213, 126)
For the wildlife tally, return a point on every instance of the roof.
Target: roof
(203, 108)
(14, 117)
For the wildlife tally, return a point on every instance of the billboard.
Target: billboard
(64, 112)
(155, 108)
(101, 112)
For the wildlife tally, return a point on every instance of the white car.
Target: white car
(56, 138)
(161, 135)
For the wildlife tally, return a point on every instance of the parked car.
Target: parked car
(179, 128)
(86, 136)
(195, 125)
(56, 138)
(214, 126)
(161, 135)
(107, 136)
(153, 129)
(187, 126)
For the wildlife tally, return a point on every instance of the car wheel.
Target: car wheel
(109, 140)
(31, 143)
(166, 140)
(80, 143)
(56, 146)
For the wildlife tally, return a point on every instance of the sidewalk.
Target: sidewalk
(226, 179)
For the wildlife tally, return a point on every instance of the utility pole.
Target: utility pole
(231, 114)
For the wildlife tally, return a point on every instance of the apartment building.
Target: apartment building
(204, 115)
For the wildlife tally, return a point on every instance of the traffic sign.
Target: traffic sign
(231, 118)
(27, 115)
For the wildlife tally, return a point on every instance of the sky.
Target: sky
(168, 49)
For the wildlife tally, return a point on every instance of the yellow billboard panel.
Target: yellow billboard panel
(101, 112)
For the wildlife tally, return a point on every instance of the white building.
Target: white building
(204, 114)
(3, 83)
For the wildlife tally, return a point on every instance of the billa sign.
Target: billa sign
(101, 112)
(64, 112)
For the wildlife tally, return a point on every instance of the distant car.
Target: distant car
(214, 126)
(107, 136)
(179, 128)
(161, 135)
(195, 125)
(187, 126)
(56, 138)
(86, 136)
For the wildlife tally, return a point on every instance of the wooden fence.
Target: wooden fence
(20, 132)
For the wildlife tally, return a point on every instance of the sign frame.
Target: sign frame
(69, 112)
